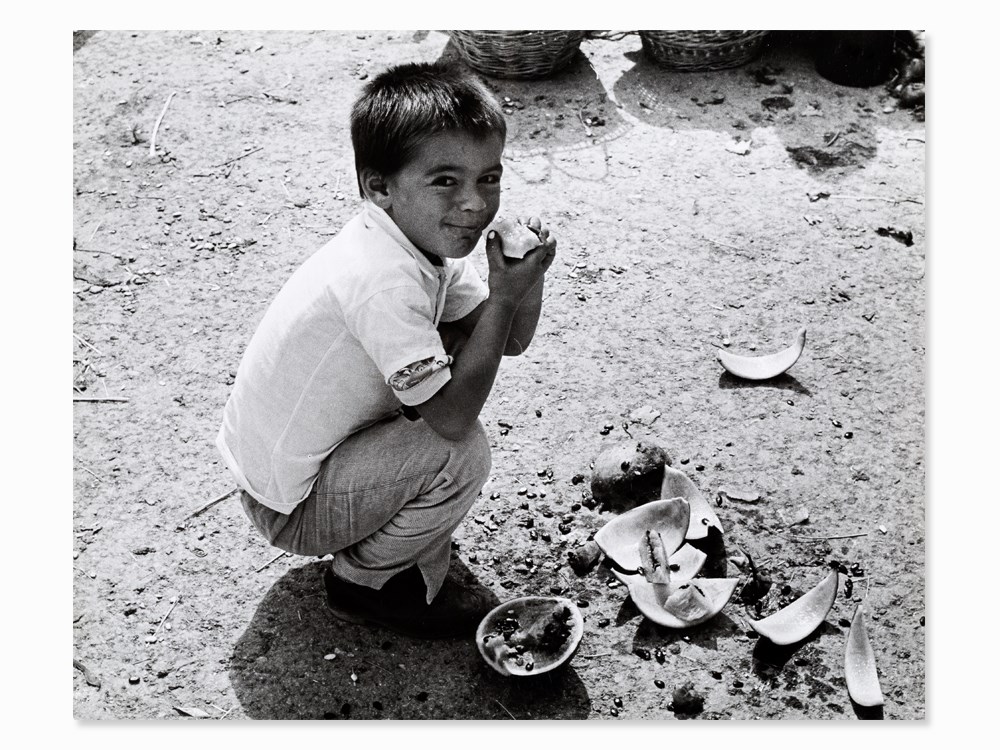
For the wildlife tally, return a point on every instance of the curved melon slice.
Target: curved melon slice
(518, 240)
(681, 605)
(859, 664)
(765, 366)
(793, 623)
(620, 537)
(677, 484)
(685, 564)
(530, 635)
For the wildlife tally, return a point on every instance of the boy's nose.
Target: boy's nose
(471, 200)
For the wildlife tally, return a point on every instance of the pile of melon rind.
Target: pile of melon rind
(651, 551)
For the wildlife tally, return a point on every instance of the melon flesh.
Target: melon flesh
(517, 239)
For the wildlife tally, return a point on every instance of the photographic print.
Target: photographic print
(494, 375)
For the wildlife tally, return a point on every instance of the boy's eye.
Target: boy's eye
(444, 181)
(491, 179)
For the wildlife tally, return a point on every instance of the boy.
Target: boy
(353, 424)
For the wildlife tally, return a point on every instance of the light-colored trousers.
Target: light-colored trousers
(387, 498)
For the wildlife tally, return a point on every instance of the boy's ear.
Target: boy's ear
(375, 188)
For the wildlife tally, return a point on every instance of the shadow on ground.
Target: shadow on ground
(80, 38)
(779, 91)
(567, 111)
(279, 669)
(784, 382)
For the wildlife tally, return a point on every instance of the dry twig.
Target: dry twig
(205, 506)
(88, 345)
(100, 399)
(156, 127)
(505, 709)
(176, 602)
(237, 158)
(271, 561)
(823, 538)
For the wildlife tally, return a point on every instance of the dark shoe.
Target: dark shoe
(401, 605)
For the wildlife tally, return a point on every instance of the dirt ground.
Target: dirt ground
(692, 210)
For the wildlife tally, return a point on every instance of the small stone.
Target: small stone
(133, 679)
(716, 674)
(330, 657)
(613, 711)
(659, 655)
(604, 622)
(577, 478)
(642, 653)
(618, 703)
(848, 435)
(675, 648)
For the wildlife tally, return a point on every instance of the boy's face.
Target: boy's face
(447, 194)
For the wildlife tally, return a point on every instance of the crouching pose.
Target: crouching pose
(353, 425)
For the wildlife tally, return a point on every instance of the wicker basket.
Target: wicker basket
(702, 50)
(517, 54)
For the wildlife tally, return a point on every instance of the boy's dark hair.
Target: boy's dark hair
(407, 103)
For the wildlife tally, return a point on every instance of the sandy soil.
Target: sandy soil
(671, 242)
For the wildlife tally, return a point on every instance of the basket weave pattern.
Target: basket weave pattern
(702, 50)
(517, 54)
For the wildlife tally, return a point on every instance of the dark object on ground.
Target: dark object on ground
(582, 559)
(774, 103)
(851, 154)
(911, 95)
(757, 587)
(629, 474)
(906, 237)
(686, 700)
(855, 58)
(913, 71)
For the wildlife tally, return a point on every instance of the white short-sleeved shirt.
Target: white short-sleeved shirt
(363, 307)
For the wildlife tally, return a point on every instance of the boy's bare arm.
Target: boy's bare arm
(515, 285)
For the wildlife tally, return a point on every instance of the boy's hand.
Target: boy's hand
(510, 278)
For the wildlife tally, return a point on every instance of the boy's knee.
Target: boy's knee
(476, 457)
(469, 459)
